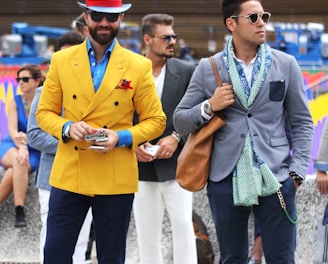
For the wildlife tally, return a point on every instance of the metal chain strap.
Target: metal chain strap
(283, 206)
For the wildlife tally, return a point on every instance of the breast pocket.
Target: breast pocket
(277, 90)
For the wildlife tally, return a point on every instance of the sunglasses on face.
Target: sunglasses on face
(98, 16)
(24, 79)
(167, 38)
(254, 18)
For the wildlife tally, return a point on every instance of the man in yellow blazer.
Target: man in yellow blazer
(91, 88)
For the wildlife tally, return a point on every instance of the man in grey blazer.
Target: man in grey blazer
(252, 164)
(158, 159)
(321, 165)
(47, 144)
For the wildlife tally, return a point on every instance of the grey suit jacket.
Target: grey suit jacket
(322, 161)
(42, 141)
(282, 96)
(177, 77)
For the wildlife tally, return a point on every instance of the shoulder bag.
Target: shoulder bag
(194, 160)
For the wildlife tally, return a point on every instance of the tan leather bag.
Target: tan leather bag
(194, 160)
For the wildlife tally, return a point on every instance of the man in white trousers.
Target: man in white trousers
(158, 189)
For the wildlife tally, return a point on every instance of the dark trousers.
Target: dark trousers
(231, 223)
(111, 216)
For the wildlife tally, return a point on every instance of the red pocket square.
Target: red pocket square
(124, 84)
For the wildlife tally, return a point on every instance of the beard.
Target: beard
(164, 54)
(103, 39)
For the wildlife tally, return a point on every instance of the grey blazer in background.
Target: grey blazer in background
(282, 97)
(42, 141)
(323, 147)
(177, 77)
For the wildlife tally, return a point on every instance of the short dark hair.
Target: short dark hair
(69, 38)
(80, 23)
(231, 8)
(150, 21)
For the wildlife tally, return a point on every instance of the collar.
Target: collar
(109, 49)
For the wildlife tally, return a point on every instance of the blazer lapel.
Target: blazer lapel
(115, 71)
(263, 90)
(80, 66)
(171, 79)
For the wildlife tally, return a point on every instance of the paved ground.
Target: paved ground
(22, 245)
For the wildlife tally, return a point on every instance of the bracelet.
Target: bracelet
(176, 136)
(299, 179)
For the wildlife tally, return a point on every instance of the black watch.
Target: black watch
(296, 177)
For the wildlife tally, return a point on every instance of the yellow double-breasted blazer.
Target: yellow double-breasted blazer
(68, 95)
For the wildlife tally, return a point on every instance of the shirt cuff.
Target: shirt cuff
(124, 138)
(64, 136)
(321, 166)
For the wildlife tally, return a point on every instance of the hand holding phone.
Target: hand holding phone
(152, 149)
(98, 135)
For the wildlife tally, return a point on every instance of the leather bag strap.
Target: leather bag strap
(215, 71)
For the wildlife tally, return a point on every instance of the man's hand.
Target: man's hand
(142, 154)
(168, 146)
(322, 182)
(222, 97)
(78, 130)
(109, 144)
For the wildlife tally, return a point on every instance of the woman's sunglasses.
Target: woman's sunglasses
(24, 79)
(98, 16)
(254, 18)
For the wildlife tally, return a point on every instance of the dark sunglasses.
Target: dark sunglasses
(98, 16)
(24, 79)
(167, 38)
(254, 18)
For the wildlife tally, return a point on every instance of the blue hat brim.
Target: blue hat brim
(104, 9)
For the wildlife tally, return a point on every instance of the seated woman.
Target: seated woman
(16, 156)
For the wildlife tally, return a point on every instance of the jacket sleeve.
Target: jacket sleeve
(37, 138)
(322, 161)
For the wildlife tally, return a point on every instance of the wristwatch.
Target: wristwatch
(297, 178)
(207, 108)
(66, 132)
(176, 136)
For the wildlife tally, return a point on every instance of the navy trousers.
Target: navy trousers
(231, 223)
(67, 210)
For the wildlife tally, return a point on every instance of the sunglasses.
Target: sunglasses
(254, 18)
(167, 38)
(24, 79)
(98, 16)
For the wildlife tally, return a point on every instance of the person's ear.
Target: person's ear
(85, 31)
(121, 16)
(147, 39)
(85, 16)
(230, 24)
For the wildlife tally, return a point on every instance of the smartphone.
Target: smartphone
(97, 147)
(152, 149)
(99, 135)
(101, 139)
